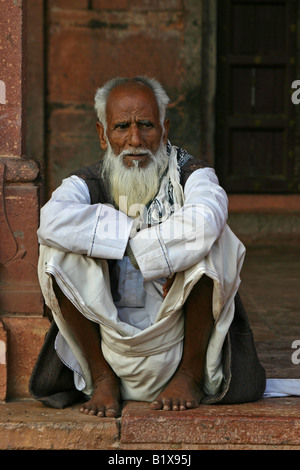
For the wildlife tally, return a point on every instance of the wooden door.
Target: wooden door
(255, 124)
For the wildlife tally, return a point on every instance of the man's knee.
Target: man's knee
(204, 286)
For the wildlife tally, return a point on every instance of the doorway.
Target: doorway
(255, 117)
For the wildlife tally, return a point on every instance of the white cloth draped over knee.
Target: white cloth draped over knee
(145, 360)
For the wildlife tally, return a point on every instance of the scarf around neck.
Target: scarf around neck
(170, 194)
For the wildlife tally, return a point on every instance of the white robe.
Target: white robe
(142, 334)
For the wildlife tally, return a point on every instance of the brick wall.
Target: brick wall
(89, 42)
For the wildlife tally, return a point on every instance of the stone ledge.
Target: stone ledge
(19, 169)
(28, 425)
(266, 424)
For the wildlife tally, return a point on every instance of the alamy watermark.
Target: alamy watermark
(296, 354)
(296, 94)
(186, 224)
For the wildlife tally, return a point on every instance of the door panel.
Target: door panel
(255, 116)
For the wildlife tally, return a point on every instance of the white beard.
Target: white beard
(134, 186)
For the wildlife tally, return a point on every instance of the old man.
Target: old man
(141, 271)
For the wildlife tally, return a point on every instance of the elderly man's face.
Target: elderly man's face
(133, 124)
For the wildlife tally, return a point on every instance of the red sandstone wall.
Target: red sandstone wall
(22, 325)
(93, 41)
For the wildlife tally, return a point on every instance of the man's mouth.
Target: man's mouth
(137, 155)
(136, 158)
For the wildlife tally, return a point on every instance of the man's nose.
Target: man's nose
(135, 137)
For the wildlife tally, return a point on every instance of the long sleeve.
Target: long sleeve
(70, 223)
(188, 235)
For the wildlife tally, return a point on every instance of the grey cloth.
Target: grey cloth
(51, 381)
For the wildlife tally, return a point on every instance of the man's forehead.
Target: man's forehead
(131, 86)
(132, 90)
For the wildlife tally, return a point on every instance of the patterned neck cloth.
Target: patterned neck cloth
(170, 194)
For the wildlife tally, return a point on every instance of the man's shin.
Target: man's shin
(198, 327)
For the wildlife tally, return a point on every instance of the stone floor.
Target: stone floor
(271, 294)
(270, 290)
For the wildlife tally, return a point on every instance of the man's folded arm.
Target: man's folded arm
(71, 224)
(188, 235)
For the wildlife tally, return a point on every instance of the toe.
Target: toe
(191, 404)
(175, 405)
(93, 410)
(100, 411)
(156, 405)
(167, 404)
(182, 405)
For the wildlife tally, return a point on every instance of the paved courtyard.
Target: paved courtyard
(270, 290)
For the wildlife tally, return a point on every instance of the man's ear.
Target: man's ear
(166, 130)
(102, 136)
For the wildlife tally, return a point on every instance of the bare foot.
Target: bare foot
(183, 392)
(105, 400)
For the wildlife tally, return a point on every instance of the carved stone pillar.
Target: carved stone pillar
(21, 305)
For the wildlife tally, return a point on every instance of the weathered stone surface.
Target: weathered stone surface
(20, 290)
(19, 170)
(8, 246)
(35, 79)
(11, 75)
(88, 46)
(3, 362)
(83, 41)
(269, 422)
(76, 4)
(25, 339)
(156, 4)
(31, 426)
(110, 4)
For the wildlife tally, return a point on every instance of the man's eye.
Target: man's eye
(146, 124)
(121, 125)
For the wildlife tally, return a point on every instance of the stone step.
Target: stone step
(271, 423)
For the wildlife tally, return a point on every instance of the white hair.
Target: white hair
(103, 93)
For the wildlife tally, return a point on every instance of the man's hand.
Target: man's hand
(167, 285)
